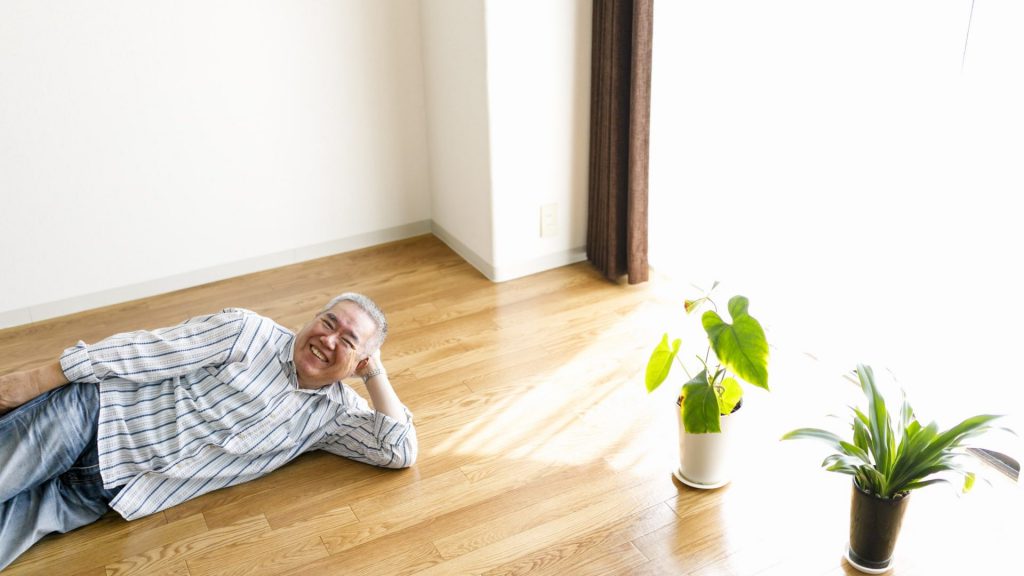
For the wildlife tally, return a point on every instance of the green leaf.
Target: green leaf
(729, 395)
(815, 434)
(700, 406)
(660, 363)
(873, 481)
(931, 452)
(861, 436)
(954, 487)
(862, 479)
(968, 428)
(861, 416)
(909, 430)
(906, 412)
(878, 422)
(842, 463)
(741, 345)
(969, 482)
(853, 450)
(914, 457)
(923, 483)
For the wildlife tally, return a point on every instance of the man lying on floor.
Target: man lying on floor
(151, 419)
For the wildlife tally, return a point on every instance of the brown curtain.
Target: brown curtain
(620, 104)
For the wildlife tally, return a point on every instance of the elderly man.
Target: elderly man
(151, 419)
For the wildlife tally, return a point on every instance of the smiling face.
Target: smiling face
(330, 347)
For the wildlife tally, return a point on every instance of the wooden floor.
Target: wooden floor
(540, 452)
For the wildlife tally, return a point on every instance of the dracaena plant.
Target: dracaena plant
(735, 351)
(892, 454)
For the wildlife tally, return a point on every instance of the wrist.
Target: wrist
(37, 381)
(46, 378)
(373, 372)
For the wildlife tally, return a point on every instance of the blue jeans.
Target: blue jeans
(49, 469)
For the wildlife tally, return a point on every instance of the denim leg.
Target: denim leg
(42, 438)
(60, 490)
(41, 510)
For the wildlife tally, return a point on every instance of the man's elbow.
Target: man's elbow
(400, 463)
(405, 454)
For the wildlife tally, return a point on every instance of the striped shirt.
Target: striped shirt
(215, 402)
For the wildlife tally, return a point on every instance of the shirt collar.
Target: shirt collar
(287, 356)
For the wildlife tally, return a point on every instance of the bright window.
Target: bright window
(832, 161)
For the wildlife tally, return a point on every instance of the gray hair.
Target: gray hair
(372, 310)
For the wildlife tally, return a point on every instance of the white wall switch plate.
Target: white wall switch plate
(548, 220)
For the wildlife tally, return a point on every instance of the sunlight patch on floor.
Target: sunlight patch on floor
(592, 405)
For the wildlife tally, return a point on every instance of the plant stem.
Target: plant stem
(683, 366)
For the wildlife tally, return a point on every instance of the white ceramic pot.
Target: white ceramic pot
(705, 460)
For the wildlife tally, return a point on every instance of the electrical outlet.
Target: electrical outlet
(548, 220)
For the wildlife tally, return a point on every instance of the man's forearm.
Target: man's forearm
(48, 377)
(18, 388)
(383, 397)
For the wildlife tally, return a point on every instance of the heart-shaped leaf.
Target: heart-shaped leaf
(742, 345)
(660, 363)
(729, 395)
(700, 406)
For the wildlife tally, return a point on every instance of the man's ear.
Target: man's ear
(362, 364)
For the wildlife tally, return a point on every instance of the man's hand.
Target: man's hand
(382, 395)
(14, 391)
(369, 366)
(18, 388)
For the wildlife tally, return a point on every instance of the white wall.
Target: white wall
(148, 145)
(830, 161)
(455, 71)
(300, 128)
(508, 112)
(538, 55)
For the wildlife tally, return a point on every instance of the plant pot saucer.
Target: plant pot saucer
(679, 476)
(861, 567)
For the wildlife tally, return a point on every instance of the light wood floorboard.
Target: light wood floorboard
(541, 453)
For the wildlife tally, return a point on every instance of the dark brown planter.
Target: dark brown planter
(874, 526)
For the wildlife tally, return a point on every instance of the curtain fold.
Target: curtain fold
(620, 106)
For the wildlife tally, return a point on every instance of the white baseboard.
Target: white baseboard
(536, 265)
(475, 260)
(509, 271)
(19, 316)
(15, 317)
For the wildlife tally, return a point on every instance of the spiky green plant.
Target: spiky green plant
(890, 458)
(740, 347)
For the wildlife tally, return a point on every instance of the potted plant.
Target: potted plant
(889, 456)
(707, 402)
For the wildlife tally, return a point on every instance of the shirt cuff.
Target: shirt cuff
(76, 364)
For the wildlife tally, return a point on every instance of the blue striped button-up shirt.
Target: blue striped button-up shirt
(215, 402)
